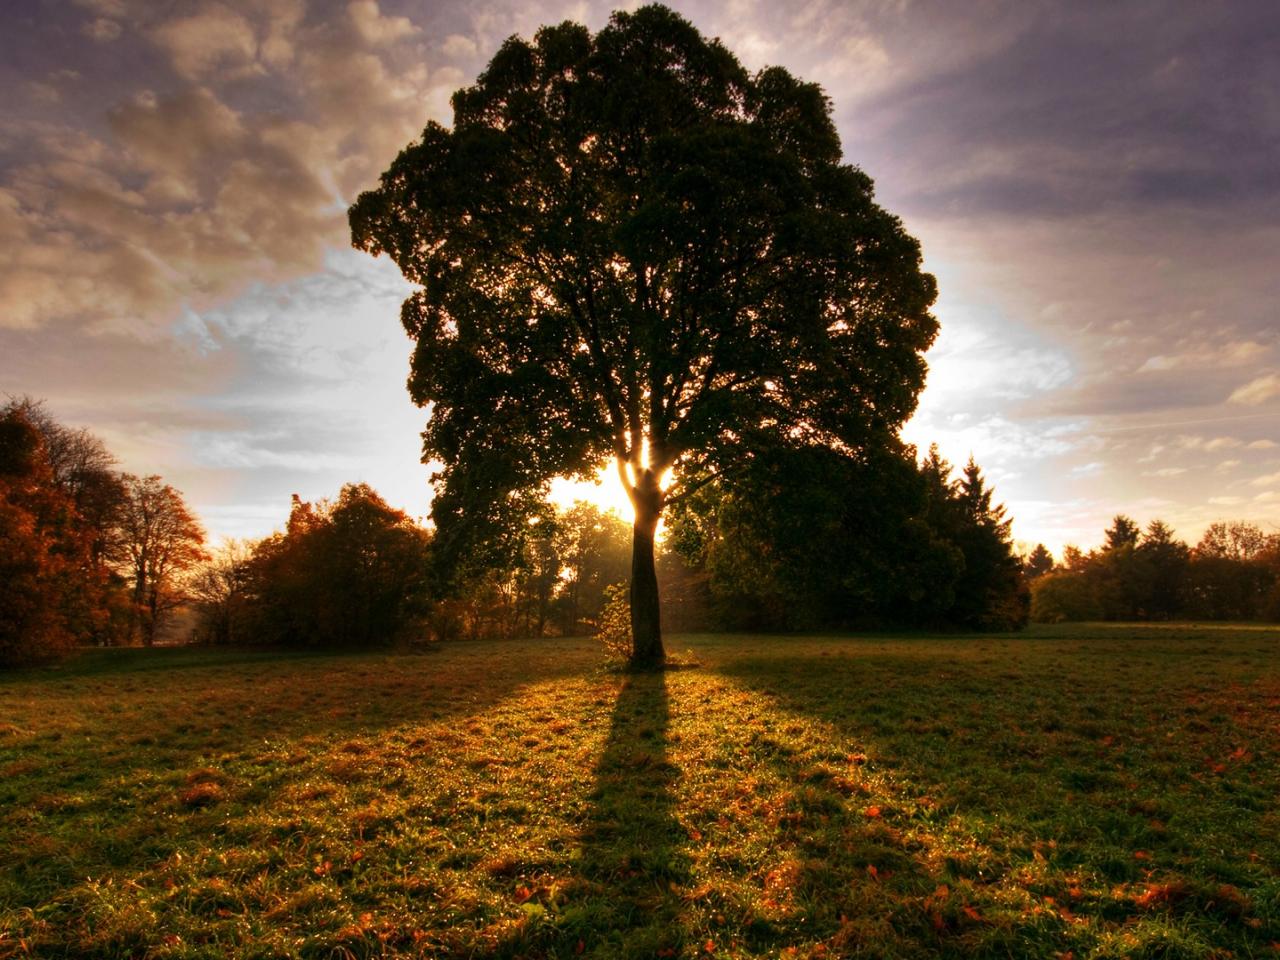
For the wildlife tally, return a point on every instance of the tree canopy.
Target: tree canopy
(629, 247)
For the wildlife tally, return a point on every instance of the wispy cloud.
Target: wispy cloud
(1258, 391)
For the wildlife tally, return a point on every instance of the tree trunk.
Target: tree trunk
(646, 628)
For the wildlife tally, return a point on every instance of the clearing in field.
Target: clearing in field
(1077, 792)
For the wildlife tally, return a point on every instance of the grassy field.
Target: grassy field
(1074, 792)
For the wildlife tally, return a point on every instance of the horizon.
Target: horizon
(1094, 190)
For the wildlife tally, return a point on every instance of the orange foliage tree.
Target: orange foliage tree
(162, 542)
(48, 583)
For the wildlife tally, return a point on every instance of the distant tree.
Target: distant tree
(343, 573)
(1038, 562)
(991, 592)
(162, 542)
(1123, 532)
(630, 248)
(1232, 574)
(1233, 540)
(1161, 572)
(1074, 559)
(594, 550)
(219, 588)
(1064, 595)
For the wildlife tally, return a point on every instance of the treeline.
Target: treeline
(800, 539)
(357, 572)
(1233, 573)
(87, 554)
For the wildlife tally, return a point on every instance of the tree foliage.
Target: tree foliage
(343, 573)
(58, 501)
(815, 538)
(162, 541)
(42, 560)
(1233, 573)
(628, 247)
(1038, 562)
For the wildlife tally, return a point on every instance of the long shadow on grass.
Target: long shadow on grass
(633, 845)
(104, 797)
(1063, 782)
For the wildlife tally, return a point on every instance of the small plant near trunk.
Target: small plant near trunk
(613, 628)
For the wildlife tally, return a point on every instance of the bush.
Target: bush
(613, 627)
(1066, 596)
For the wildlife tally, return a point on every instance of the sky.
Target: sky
(1095, 186)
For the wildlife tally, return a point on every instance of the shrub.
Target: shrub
(613, 627)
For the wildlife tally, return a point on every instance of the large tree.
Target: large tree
(629, 247)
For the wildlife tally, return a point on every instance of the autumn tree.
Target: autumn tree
(44, 571)
(629, 247)
(162, 541)
(347, 572)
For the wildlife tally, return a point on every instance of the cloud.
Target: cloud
(1166, 472)
(1222, 443)
(215, 38)
(458, 47)
(103, 8)
(1266, 480)
(102, 30)
(375, 28)
(186, 193)
(1195, 353)
(1258, 390)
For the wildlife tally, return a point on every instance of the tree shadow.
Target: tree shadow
(94, 775)
(632, 860)
(1046, 776)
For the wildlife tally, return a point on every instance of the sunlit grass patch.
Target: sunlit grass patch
(1100, 792)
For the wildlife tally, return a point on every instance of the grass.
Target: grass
(1097, 791)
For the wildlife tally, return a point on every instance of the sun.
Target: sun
(605, 492)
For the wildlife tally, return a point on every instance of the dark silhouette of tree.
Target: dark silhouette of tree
(1038, 562)
(1162, 566)
(991, 592)
(1232, 572)
(1234, 540)
(814, 538)
(343, 573)
(629, 247)
(162, 541)
(219, 588)
(1123, 532)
